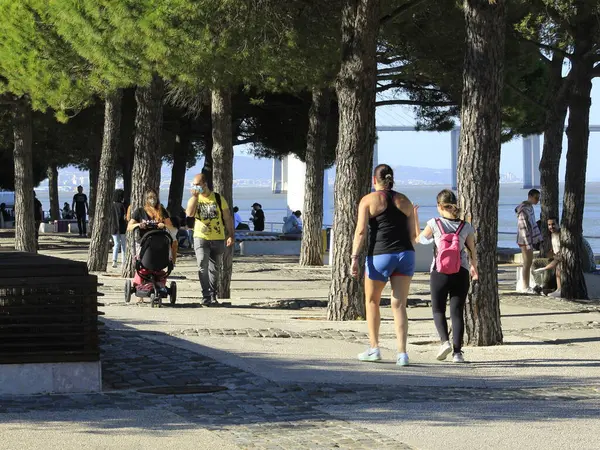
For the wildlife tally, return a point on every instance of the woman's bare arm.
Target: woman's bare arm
(361, 226)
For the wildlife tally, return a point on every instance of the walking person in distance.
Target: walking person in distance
(118, 226)
(450, 270)
(386, 217)
(81, 208)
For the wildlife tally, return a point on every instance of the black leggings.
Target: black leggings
(457, 287)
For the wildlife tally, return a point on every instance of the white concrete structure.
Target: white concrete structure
(290, 174)
(279, 180)
(454, 146)
(296, 180)
(45, 378)
(531, 162)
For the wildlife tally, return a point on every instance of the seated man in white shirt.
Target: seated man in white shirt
(292, 224)
(553, 266)
(237, 220)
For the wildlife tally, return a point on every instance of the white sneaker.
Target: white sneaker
(458, 358)
(445, 350)
(402, 359)
(555, 294)
(529, 290)
(370, 355)
(114, 265)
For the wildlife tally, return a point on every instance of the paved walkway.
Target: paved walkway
(293, 380)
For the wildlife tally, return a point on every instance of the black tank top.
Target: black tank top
(389, 232)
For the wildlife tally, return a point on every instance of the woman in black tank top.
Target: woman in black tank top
(389, 231)
(387, 215)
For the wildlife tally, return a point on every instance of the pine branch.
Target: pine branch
(551, 48)
(8, 99)
(554, 14)
(526, 96)
(399, 11)
(248, 140)
(414, 103)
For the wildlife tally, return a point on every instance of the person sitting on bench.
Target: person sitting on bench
(292, 224)
(546, 270)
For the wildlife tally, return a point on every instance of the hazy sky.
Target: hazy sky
(429, 149)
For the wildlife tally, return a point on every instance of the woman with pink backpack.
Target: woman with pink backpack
(450, 270)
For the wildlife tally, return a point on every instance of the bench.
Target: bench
(48, 227)
(49, 326)
(270, 247)
(592, 282)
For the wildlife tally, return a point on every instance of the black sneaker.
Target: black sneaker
(213, 301)
(206, 301)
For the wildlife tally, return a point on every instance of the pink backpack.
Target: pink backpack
(447, 259)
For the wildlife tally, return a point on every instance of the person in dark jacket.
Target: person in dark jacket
(38, 217)
(118, 226)
(258, 217)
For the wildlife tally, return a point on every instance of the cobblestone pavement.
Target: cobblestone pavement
(253, 412)
(349, 335)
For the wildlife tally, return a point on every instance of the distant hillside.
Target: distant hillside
(421, 175)
(250, 171)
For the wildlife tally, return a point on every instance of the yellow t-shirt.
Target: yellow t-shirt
(209, 218)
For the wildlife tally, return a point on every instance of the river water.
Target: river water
(275, 207)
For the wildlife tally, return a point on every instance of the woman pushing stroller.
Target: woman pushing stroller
(151, 213)
(152, 216)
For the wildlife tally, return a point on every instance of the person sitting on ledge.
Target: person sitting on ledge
(292, 224)
(546, 270)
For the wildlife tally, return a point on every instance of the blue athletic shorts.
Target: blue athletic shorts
(382, 267)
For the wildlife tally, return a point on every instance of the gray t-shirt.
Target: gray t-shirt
(450, 226)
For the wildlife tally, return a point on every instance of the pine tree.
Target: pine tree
(41, 71)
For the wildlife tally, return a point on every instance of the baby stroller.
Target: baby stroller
(153, 264)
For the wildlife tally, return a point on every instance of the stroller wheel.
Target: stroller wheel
(155, 300)
(127, 291)
(173, 293)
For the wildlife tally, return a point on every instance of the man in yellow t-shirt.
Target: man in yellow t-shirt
(213, 224)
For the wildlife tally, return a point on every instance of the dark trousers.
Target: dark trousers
(455, 286)
(37, 233)
(81, 224)
(209, 255)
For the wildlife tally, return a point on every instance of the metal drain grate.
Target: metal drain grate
(182, 390)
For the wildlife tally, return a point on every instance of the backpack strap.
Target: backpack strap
(218, 199)
(460, 227)
(439, 224)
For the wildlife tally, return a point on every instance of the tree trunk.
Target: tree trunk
(554, 129)
(24, 223)
(207, 170)
(53, 192)
(479, 159)
(93, 175)
(180, 157)
(222, 152)
(98, 252)
(126, 141)
(147, 155)
(311, 253)
(354, 155)
(578, 133)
